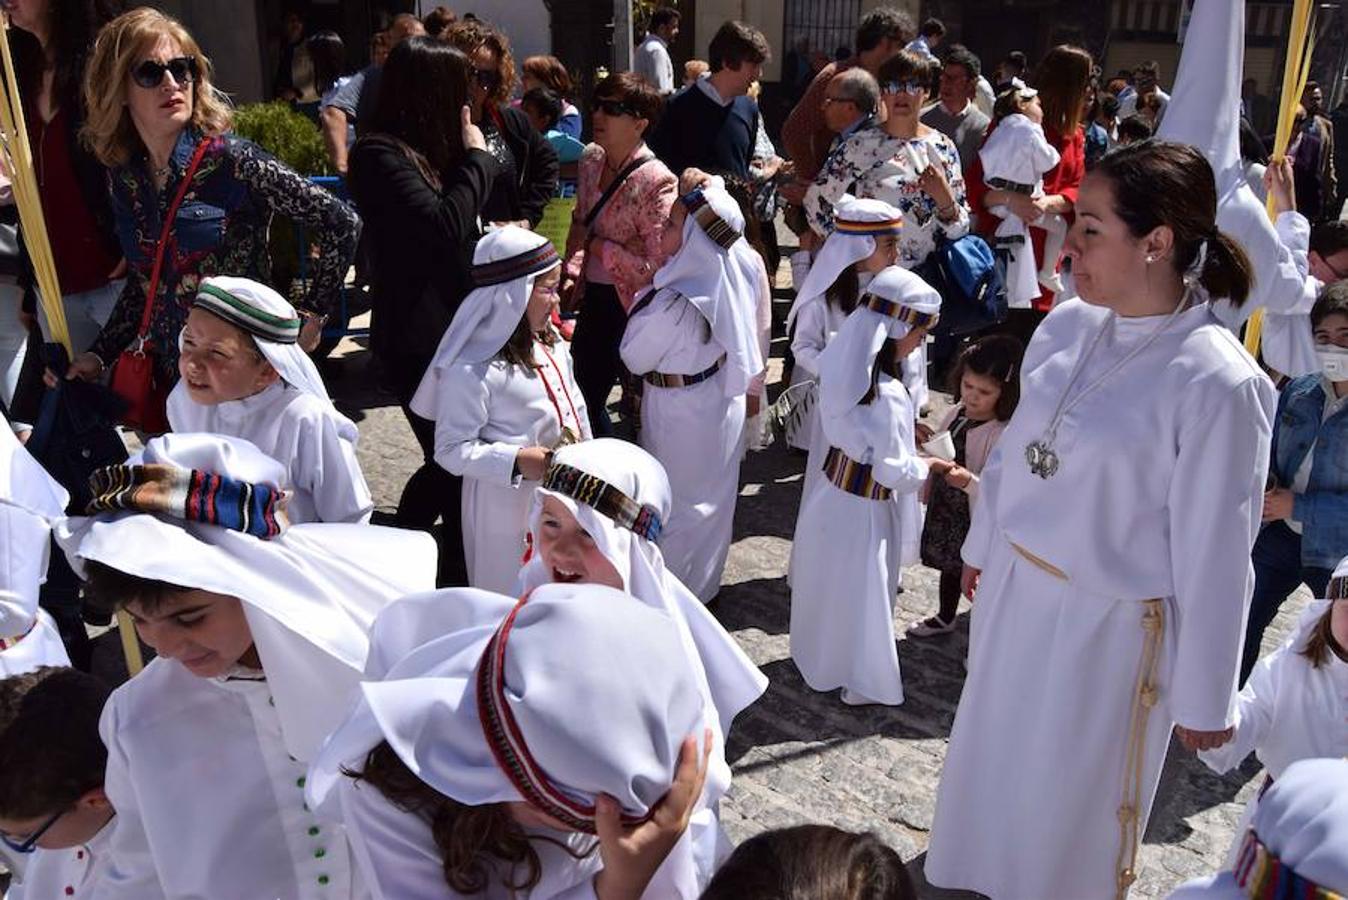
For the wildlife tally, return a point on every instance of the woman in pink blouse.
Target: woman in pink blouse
(615, 244)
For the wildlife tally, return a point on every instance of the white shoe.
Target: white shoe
(928, 627)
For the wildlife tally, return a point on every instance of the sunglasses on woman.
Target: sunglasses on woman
(903, 87)
(487, 78)
(28, 844)
(150, 74)
(615, 108)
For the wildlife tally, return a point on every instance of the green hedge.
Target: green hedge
(285, 134)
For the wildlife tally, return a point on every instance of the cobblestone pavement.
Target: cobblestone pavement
(801, 756)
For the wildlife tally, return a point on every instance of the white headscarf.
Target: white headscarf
(721, 282)
(31, 502)
(1299, 833)
(506, 263)
(846, 363)
(310, 594)
(597, 685)
(730, 680)
(856, 223)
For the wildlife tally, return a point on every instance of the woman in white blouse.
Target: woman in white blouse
(904, 163)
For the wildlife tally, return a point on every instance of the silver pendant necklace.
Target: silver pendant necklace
(1040, 455)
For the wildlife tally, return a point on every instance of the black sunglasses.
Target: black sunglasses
(30, 843)
(150, 74)
(616, 108)
(487, 78)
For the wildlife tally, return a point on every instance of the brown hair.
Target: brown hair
(736, 43)
(111, 589)
(812, 862)
(1166, 183)
(470, 35)
(1063, 78)
(998, 357)
(549, 72)
(907, 66)
(1321, 641)
(887, 362)
(437, 20)
(473, 840)
(50, 751)
(1333, 300)
(845, 290)
(108, 131)
(636, 92)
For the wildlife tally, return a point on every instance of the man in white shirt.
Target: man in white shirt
(651, 60)
(1146, 79)
(928, 39)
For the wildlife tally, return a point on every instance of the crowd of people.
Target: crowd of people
(515, 684)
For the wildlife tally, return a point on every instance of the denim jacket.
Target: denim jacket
(1323, 508)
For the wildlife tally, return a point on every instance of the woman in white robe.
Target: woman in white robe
(1111, 546)
(861, 525)
(207, 751)
(490, 717)
(693, 341)
(502, 394)
(31, 502)
(292, 419)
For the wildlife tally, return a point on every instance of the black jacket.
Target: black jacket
(536, 178)
(421, 246)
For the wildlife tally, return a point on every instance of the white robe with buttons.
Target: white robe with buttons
(848, 550)
(209, 803)
(489, 411)
(696, 432)
(301, 432)
(1158, 495)
(817, 321)
(68, 872)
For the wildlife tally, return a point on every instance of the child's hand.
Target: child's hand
(1203, 740)
(533, 462)
(958, 477)
(1278, 504)
(969, 582)
(632, 855)
(939, 467)
(923, 432)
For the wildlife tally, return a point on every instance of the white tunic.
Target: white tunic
(68, 872)
(848, 551)
(488, 411)
(1158, 495)
(696, 432)
(1288, 342)
(817, 321)
(209, 803)
(1017, 151)
(303, 433)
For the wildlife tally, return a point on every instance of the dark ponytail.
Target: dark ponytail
(1227, 271)
(844, 291)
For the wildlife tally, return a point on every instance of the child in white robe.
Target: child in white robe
(54, 814)
(861, 526)
(31, 502)
(496, 724)
(693, 341)
(597, 519)
(244, 375)
(503, 396)
(261, 632)
(1015, 157)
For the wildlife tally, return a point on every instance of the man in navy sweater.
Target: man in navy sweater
(711, 124)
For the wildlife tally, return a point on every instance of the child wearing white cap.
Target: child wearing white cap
(243, 374)
(503, 396)
(860, 526)
(262, 633)
(539, 749)
(693, 341)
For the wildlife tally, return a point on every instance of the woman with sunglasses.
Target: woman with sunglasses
(528, 164)
(153, 113)
(616, 241)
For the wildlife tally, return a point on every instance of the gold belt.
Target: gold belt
(1039, 563)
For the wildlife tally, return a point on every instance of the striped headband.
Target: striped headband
(1338, 588)
(538, 259)
(241, 313)
(896, 310)
(854, 228)
(191, 495)
(710, 221)
(642, 519)
(507, 743)
(1265, 877)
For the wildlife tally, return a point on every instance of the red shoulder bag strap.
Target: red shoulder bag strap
(163, 241)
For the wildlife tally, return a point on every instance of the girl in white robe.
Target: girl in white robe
(611, 497)
(501, 722)
(861, 525)
(1111, 546)
(244, 375)
(31, 502)
(503, 396)
(262, 633)
(692, 340)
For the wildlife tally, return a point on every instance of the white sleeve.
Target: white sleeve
(23, 565)
(1215, 504)
(651, 331)
(893, 463)
(811, 335)
(1295, 233)
(130, 873)
(465, 403)
(335, 479)
(1254, 715)
(395, 850)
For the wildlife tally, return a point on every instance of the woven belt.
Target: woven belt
(1009, 240)
(1039, 563)
(660, 379)
(848, 475)
(1015, 187)
(6, 643)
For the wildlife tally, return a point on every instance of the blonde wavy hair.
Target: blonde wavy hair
(108, 131)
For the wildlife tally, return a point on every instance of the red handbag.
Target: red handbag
(134, 378)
